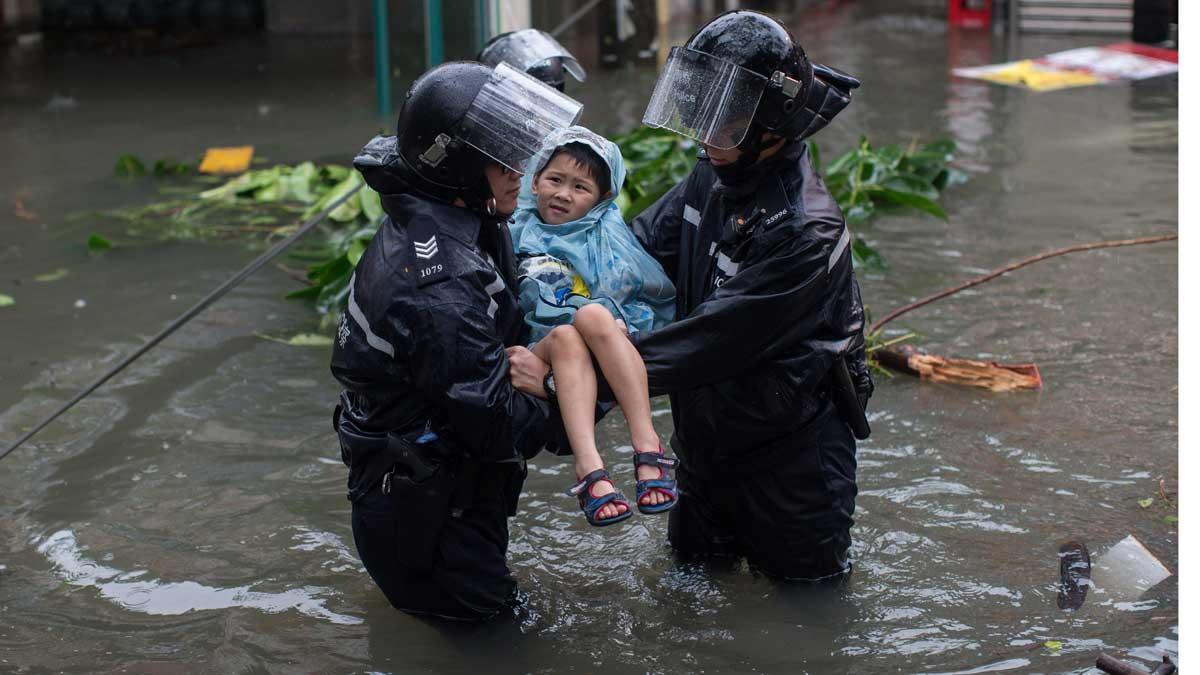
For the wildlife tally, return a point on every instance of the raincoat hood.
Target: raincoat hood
(604, 148)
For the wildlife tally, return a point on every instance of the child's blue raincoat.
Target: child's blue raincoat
(595, 259)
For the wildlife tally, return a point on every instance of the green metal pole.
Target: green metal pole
(435, 41)
(482, 25)
(383, 65)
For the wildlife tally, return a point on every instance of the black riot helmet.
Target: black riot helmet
(535, 52)
(742, 74)
(459, 116)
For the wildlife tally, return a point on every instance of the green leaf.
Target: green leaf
(330, 270)
(372, 207)
(622, 201)
(307, 293)
(303, 179)
(1171, 519)
(1146, 503)
(301, 340)
(643, 202)
(1053, 645)
(333, 295)
(128, 165)
(310, 340)
(348, 209)
(57, 274)
(170, 167)
(356, 250)
(866, 257)
(889, 155)
(246, 183)
(334, 173)
(268, 193)
(914, 200)
(98, 244)
(843, 163)
(913, 185)
(6, 300)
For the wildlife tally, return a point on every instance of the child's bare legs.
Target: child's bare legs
(575, 381)
(626, 375)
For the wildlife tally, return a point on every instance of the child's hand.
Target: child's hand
(527, 371)
(622, 326)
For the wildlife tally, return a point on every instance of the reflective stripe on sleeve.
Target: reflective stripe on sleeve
(492, 289)
(843, 242)
(691, 215)
(373, 340)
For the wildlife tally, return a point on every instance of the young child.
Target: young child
(585, 282)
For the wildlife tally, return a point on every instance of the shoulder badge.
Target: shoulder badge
(430, 265)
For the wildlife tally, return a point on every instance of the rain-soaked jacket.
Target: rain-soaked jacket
(605, 264)
(766, 301)
(420, 348)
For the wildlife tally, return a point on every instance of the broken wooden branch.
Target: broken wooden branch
(990, 375)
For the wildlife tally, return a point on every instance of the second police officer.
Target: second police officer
(766, 366)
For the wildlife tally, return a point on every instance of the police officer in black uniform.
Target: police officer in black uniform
(535, 52)
(766, 366)
(433, 432)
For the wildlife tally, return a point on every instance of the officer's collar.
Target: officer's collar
(774, 202)
(458, 223)
(768, 197)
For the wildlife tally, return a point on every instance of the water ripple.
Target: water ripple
(173, 598)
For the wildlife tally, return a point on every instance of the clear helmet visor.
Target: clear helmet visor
(531, 48)
(513, 114)
(704, 98)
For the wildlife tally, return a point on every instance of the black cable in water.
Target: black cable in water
(209, 299)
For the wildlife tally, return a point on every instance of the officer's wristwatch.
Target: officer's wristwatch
(551, 389)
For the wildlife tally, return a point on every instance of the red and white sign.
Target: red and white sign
(1080, 67)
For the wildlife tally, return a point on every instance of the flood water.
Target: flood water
(191, 516)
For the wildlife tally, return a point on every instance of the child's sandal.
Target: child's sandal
(591, 504)
(663, 485)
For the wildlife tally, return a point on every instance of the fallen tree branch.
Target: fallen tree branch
(1017, 265)
(998, 377)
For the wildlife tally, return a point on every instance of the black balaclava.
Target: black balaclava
(747, 170)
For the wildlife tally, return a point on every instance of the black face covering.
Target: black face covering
(747, 170)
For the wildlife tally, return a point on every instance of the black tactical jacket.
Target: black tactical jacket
(766, 298)
(421, 346)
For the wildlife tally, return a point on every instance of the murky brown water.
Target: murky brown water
(191, 516)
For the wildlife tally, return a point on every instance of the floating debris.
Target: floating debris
(1075, 572)
(1127, 570)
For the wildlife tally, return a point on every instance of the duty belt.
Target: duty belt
(374, 458)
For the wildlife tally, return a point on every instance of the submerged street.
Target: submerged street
(191, 515)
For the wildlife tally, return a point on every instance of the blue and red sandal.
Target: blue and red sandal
(663, 485)
(591, 504)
